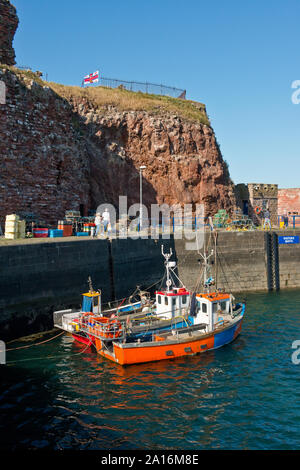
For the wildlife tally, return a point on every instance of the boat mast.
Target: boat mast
(216, 260)
(167, 256)
(205, 258)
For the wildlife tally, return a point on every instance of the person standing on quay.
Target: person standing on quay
(97, 223)
(267, 220)
(106, 219)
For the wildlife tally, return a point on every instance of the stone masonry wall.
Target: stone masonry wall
(43, 165)
(241, 262)
(289, 262)
(38, 278)
(289, 201)
(260, 194)
(8, 25)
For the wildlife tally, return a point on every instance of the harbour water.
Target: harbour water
(243, 396)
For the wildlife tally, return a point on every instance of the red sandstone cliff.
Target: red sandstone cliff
(184, 164)
(59, 153)
(71, 148)
(44, 168)
(8, 25)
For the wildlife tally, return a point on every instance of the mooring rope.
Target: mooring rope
(36, 344)
(49, 357)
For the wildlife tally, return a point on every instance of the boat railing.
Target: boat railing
(105, 329)
(156, 318)
(58, 317)
(180, 317)
(178, 332)
(221, 323)
(237, 310)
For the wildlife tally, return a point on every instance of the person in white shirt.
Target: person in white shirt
(97, 223)
(106, 219)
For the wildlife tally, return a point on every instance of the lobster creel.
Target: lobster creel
(105, 328)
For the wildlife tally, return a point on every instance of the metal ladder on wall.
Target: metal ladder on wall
(272, 260)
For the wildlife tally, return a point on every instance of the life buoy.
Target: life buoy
(257, 210)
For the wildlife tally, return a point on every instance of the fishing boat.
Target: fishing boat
(168, 310)
(217, 322)
(181, 323)
(71, 321)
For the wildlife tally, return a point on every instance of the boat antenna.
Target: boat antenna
(216, 260)
(205, 258)
(91, 290)
(167, 256)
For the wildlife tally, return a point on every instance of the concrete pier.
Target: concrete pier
(40, 276)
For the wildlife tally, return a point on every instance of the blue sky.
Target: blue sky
(239, 58)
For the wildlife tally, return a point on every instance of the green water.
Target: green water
(243, 396)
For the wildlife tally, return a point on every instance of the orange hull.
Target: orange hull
(157, 353)
(160, 349)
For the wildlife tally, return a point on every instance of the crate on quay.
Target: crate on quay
(11, 223)
(14, 227)
(54, 233)
(66, 226)
(40, 232)
(22, 228)
(11, 235)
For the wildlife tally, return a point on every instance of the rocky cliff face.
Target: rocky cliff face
(44, 168)
(8, 25)
(59, 153)
(64, 148)
(183, 160)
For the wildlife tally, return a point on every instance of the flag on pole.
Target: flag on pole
(91, 78)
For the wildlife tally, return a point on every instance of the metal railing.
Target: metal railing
(24, 67)
(43, 75)
(142, 87)
(292, 220)
(59, 315)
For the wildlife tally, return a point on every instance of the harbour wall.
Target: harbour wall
(38, 278)
(240, 261)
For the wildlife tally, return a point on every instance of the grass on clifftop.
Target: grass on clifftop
(124, 100)
(101, 97)
(24, 75)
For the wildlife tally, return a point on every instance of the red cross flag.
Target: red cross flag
(91, 78)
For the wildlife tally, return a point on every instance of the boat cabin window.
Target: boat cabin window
(183, 299)
(204, 308)
(174, 301)
(166, 300)
(219, 306)
(159, 299)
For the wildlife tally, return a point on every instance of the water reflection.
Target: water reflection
(244, 395)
